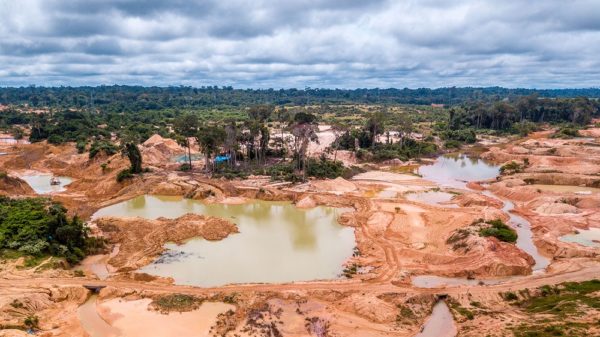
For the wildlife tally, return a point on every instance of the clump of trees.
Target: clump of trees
(507, 115)
(367, 142)
(38, 227)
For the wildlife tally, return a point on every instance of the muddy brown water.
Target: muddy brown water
(440, 323)
(41, 183)
(91, 321)
(455, 171)
(277, 243)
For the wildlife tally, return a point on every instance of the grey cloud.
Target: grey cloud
(319, 43)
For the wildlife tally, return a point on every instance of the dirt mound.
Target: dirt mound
(476, 199)
(12, 186)
(548, 208)
(141, 240)
(158, 151)
(334, 185)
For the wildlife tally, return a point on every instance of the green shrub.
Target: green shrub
(124, 174)
(463, 136)
(510, 168)
(185, 167)
(566, 132)
(324, 168)
(81, 146)
(102, 146)
(499, 230)
(55, 139)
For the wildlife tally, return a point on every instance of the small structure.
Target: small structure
(222, 158)
(54, 181)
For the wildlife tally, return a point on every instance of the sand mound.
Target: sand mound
(14, 186)
(141, 240)
(334, 185)
(556, 208)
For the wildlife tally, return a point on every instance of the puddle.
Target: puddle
(458, 169)
(440, 323)
(387, 193)
(41, 183)
(585, 237)
(92, 323)
(432, 281)
(566, 189)
(277, 242)
(436, 198)
(133, 319)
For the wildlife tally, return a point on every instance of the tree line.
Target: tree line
(118, 98)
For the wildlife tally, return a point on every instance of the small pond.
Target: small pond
(432, 281)
(585, 237)
(41, 183)
(455, 170)
(277, 242)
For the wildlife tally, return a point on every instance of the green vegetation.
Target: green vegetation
(566, 132)
(177, 302)
(37, 227)
(455, 305)
(499, 230)
(564, 299)
(105, 147)
(568, 303)
(511, 168)
(548, 329)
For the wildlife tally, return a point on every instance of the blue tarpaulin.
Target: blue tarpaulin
(220, 159)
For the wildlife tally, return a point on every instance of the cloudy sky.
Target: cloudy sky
(298, 43)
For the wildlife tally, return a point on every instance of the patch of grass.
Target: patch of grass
(176, 302)
(569, 298)
(509, 296)
(406, 315)
(566, 329)
(350, 270)
(454, 305)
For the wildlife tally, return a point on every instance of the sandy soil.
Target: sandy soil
(396, 239)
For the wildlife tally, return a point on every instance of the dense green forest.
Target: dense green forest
(136, 98)
(230, 122)
(38, 227)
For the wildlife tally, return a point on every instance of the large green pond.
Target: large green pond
(277, 242)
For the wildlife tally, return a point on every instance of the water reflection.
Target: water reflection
(277, 242)
(455, 170)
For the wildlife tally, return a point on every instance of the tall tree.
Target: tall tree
(375, 125)
(304, 129)
(210, 138)
(186, 127)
